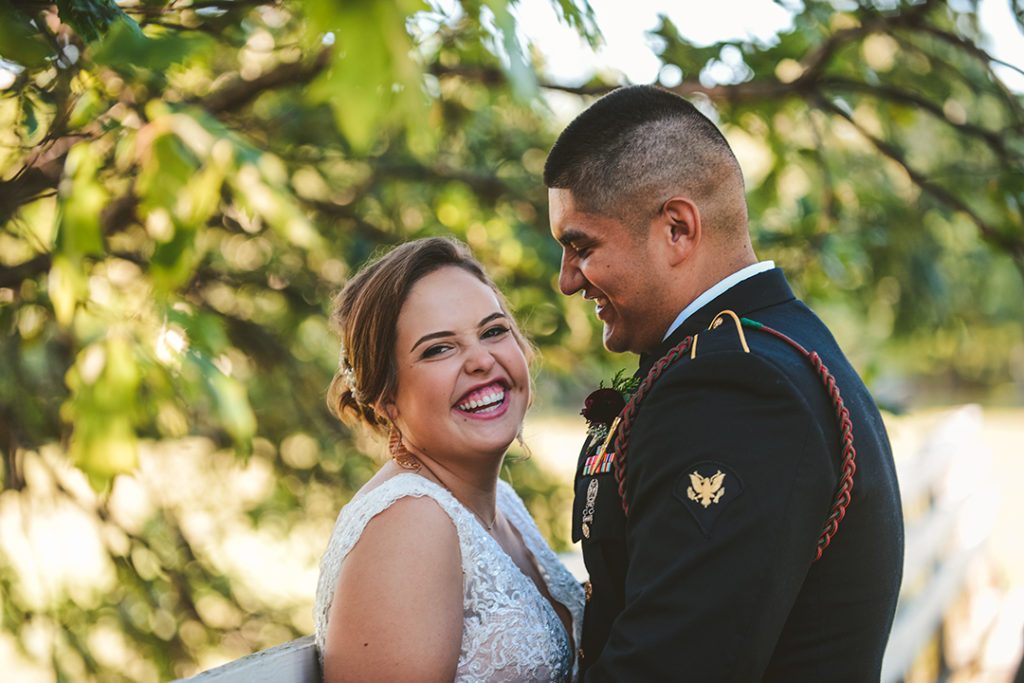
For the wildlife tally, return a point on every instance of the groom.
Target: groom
(751, 449)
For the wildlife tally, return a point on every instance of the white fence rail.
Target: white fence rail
(949, 516)
(292, 662)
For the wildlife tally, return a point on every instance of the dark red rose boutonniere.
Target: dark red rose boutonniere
(603, 405)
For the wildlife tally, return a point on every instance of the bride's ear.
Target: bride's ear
(388, 410)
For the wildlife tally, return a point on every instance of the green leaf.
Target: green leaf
(90, 19)
(103, 447)
(578, 14)
(104, 383)
(21, 42)
(372, 66)
(204, 331)
(232, 403)
(28, 117)
(66, 286)
(85, 109)
(173, 261)
(519, 69)
(167, 168)
(128, 50)
(81, 203)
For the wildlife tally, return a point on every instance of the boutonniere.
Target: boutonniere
(603, 405)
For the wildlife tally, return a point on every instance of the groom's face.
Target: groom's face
(612, 265)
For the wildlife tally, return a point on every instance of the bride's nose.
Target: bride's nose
(478, 359)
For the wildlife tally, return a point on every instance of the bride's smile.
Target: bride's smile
(485, 402)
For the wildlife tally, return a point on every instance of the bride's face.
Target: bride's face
(463, 385)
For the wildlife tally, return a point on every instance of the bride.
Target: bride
(435, 571)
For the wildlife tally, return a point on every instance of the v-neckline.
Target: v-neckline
(531, 556)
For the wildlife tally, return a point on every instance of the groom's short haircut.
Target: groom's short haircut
(638, 146)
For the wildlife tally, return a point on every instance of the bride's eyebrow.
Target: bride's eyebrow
(492, 316)
(446, 333)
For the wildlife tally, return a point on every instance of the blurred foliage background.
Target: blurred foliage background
(185, 184)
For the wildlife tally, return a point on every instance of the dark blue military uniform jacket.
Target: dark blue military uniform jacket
(732, 466)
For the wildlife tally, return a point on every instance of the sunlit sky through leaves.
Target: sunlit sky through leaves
(627, 47)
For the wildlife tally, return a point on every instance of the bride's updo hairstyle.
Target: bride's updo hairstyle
(366, 316)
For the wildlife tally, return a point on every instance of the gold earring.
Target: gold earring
(399, 453)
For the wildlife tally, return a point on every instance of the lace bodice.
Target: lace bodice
(510, 632)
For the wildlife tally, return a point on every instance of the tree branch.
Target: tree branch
(39, 176)
(363, 227)
(893, 94)
(815, 62)
(42, 174)
(1010, 98)
(1013, 247)
(13, 276)
(241, 92)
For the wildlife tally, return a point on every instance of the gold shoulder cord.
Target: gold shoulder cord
(716, 323)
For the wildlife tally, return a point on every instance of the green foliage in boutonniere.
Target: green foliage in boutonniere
(603, 405)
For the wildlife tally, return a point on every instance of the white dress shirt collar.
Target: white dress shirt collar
(722, 286)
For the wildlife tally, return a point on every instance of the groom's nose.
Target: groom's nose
(570, 279)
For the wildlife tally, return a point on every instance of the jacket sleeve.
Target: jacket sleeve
(729, 482)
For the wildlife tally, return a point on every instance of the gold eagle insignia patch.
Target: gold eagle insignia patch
(706, 490)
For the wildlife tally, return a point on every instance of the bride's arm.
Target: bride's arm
(397, 611)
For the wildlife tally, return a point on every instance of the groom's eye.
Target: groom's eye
(580, 251)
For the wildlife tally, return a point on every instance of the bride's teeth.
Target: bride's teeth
(488, 400)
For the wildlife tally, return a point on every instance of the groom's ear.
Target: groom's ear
(680, 228)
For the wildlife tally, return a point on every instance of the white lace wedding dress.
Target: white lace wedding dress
(510, 632)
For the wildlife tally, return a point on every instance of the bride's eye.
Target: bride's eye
(435, 350)
(496, 331)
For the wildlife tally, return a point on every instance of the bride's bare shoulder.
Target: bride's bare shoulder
(412, 530)
(399, 591)
(388, 471)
